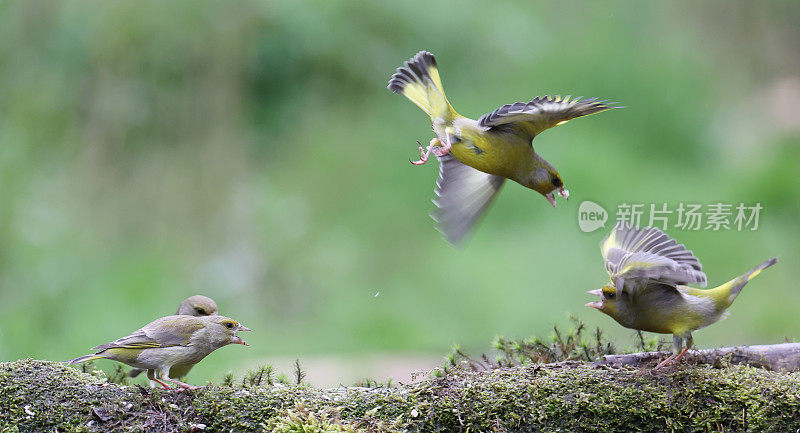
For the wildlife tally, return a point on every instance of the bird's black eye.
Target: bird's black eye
(229, 325)
(201, 312)
(557, 182)
(610, 295)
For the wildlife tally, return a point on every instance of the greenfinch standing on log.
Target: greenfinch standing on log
(197, 305)
(170, 346)
(648, 272)
(477, 156)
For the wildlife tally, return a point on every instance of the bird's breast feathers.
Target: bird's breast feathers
(491, 153)
(677, 315)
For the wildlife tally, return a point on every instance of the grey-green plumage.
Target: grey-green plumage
(170, 345)
(648, 271)
(197, 305)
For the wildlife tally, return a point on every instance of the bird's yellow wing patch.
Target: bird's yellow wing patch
(418, 80)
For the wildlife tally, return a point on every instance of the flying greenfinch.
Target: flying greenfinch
(170, 346)
(477, 156)
(647, 292)
(197, 305)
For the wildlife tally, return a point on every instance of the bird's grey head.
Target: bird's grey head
(614, 303)
(221, 331)
(197, 305)
(545, 180)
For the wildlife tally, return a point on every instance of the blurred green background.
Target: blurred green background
(250, 151)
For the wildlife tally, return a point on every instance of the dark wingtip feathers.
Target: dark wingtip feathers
(414, 69)
(580, 107)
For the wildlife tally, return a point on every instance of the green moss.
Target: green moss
(573, 396)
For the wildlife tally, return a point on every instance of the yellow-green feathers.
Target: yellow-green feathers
(724, 294)
(476, 156)
(649, 271)
(418, 80)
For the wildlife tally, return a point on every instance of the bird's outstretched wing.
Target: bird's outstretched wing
(635, 257)
(463, 194)
(164, 332)
(544, 112)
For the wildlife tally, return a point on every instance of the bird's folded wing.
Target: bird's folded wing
(463, 194)
(164, 332)
(648, 254)
(544, 112)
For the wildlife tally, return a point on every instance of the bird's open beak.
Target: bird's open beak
(237, 339)
(596, 304)
(561, 191)
(551, 199)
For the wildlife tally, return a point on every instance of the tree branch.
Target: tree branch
(776, 357)
(727, 394)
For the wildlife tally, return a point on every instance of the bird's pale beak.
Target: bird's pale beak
(561, 191)
(551, 199)
(237, 339)
(596, 304)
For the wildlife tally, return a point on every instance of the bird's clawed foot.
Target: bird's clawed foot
(184, 385)
(666, 361)
(445, 148)
(673, 358)
(163, 385)
(425, 153)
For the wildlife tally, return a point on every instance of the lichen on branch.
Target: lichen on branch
(567, 396)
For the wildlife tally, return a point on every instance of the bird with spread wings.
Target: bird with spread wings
(477, 156)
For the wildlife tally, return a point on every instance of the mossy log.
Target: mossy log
(569, 396)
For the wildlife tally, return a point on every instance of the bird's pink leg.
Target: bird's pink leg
(680, 355)
(183, 385)
(424, 154)
(445, 149)
(689, 344)
(674, 358)
(164, 385)
(666, 361)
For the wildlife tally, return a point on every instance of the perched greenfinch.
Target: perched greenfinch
(197, 305)
(648, 272)
(477, 156)
(170, 346)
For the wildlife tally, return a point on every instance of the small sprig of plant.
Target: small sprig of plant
(299, 374)
(119, 376)
(651, 344)
(263, 375)
(372, 383)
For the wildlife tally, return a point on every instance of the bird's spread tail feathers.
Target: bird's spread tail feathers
(736, 285)
(85, 358)
(418, 80)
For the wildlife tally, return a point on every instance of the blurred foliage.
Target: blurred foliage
(249, 151)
